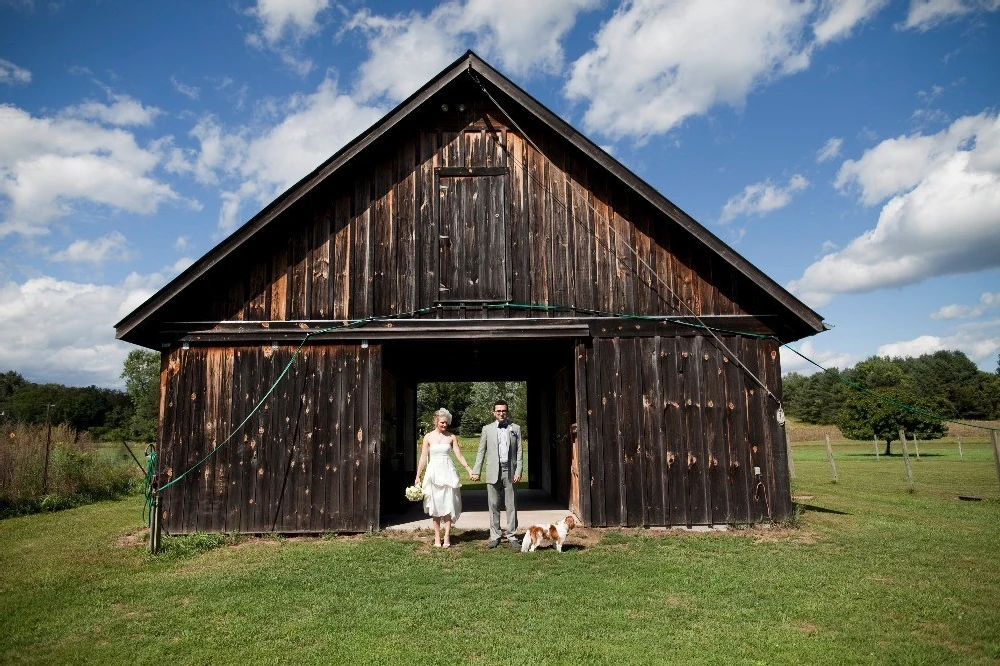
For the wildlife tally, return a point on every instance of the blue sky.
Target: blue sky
(848, 148)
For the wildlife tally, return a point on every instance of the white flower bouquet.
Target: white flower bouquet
(414, 493)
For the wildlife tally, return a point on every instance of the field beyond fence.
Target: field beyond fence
(79, 470)
(810, 432)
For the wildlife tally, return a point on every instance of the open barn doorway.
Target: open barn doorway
(537, 375)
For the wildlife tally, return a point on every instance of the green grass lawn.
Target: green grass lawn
(871, 574)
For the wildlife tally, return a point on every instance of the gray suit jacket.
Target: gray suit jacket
(488, 450)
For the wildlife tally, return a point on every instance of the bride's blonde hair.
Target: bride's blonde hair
(442, 414)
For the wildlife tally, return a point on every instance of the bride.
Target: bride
(442, 494)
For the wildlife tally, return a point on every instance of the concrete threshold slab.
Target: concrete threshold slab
(534, 507)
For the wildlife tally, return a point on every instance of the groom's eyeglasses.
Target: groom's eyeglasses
(500, 411)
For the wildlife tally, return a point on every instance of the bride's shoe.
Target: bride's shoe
(446, 544)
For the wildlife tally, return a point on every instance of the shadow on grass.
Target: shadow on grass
(820, 509)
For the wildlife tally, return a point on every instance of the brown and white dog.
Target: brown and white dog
(536, 534)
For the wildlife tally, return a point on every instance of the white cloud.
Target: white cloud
(288, 19)
(122, 112)
(113, 247)
(830, 149)
(980, 341)
(657, 63)
(926, 14)
(839, 17)
(896, 165)
(62, 331)
(188, 91)
(761, 198)
(257, 164)
(828, 246)
(217, 151)
(284, 25)
(181, 243)
(11, 74)
(405, 50)
(943, 217)
(55, 330)
(954, 311)
(520, 46)
(987, 301)
(792, 362)
(47, 164)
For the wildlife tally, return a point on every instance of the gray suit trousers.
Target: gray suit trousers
(504, 486)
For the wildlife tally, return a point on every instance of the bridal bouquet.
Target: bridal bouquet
(414, 493)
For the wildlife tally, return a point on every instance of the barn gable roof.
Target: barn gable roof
(517, 100)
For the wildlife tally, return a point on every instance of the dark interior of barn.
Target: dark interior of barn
(545, 365)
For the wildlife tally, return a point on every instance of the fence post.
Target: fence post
(906, 458)
(829, 455)
(916, 445)
(48, 446)
(154, 526)
(875, 446)
(788, 448)
(960, 456)
(996, 450)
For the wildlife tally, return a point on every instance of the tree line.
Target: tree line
(107, 414)
(471, 404)
(946, 384)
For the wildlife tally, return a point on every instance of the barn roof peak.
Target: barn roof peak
(513, 99)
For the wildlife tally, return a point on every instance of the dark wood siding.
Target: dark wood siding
(671, 430)
(306, 461)
(575, 238)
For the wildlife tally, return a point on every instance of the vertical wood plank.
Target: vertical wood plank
(426, 221)
(631, 441)
(362, 262)
(374, 435)
(652, 433)
(584, 403)
(299, 272)
(673, 366)
(320, 302)
(610, 394)
(717, 453)
(384, 241)
(343, 251)
(777, 456)
(754, 414)
(405, 202)
(519, 189)
(598, 409)
(740, 470)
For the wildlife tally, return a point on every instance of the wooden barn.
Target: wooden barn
(472, 235)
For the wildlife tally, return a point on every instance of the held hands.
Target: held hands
(474, 477)
(517, 477)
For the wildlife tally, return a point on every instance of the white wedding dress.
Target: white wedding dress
(442, 489)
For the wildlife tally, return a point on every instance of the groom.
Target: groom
(500, 444)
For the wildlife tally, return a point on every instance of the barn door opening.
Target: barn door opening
(473, 259)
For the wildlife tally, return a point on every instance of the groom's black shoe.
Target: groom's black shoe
(514, 543)
(493, 543)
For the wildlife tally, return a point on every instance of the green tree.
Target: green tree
(10, 382)
(480, 409)
(814, 399)
(865, 416)
(141, 373)
(879, 414)
(950, 381)
(453, 396)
